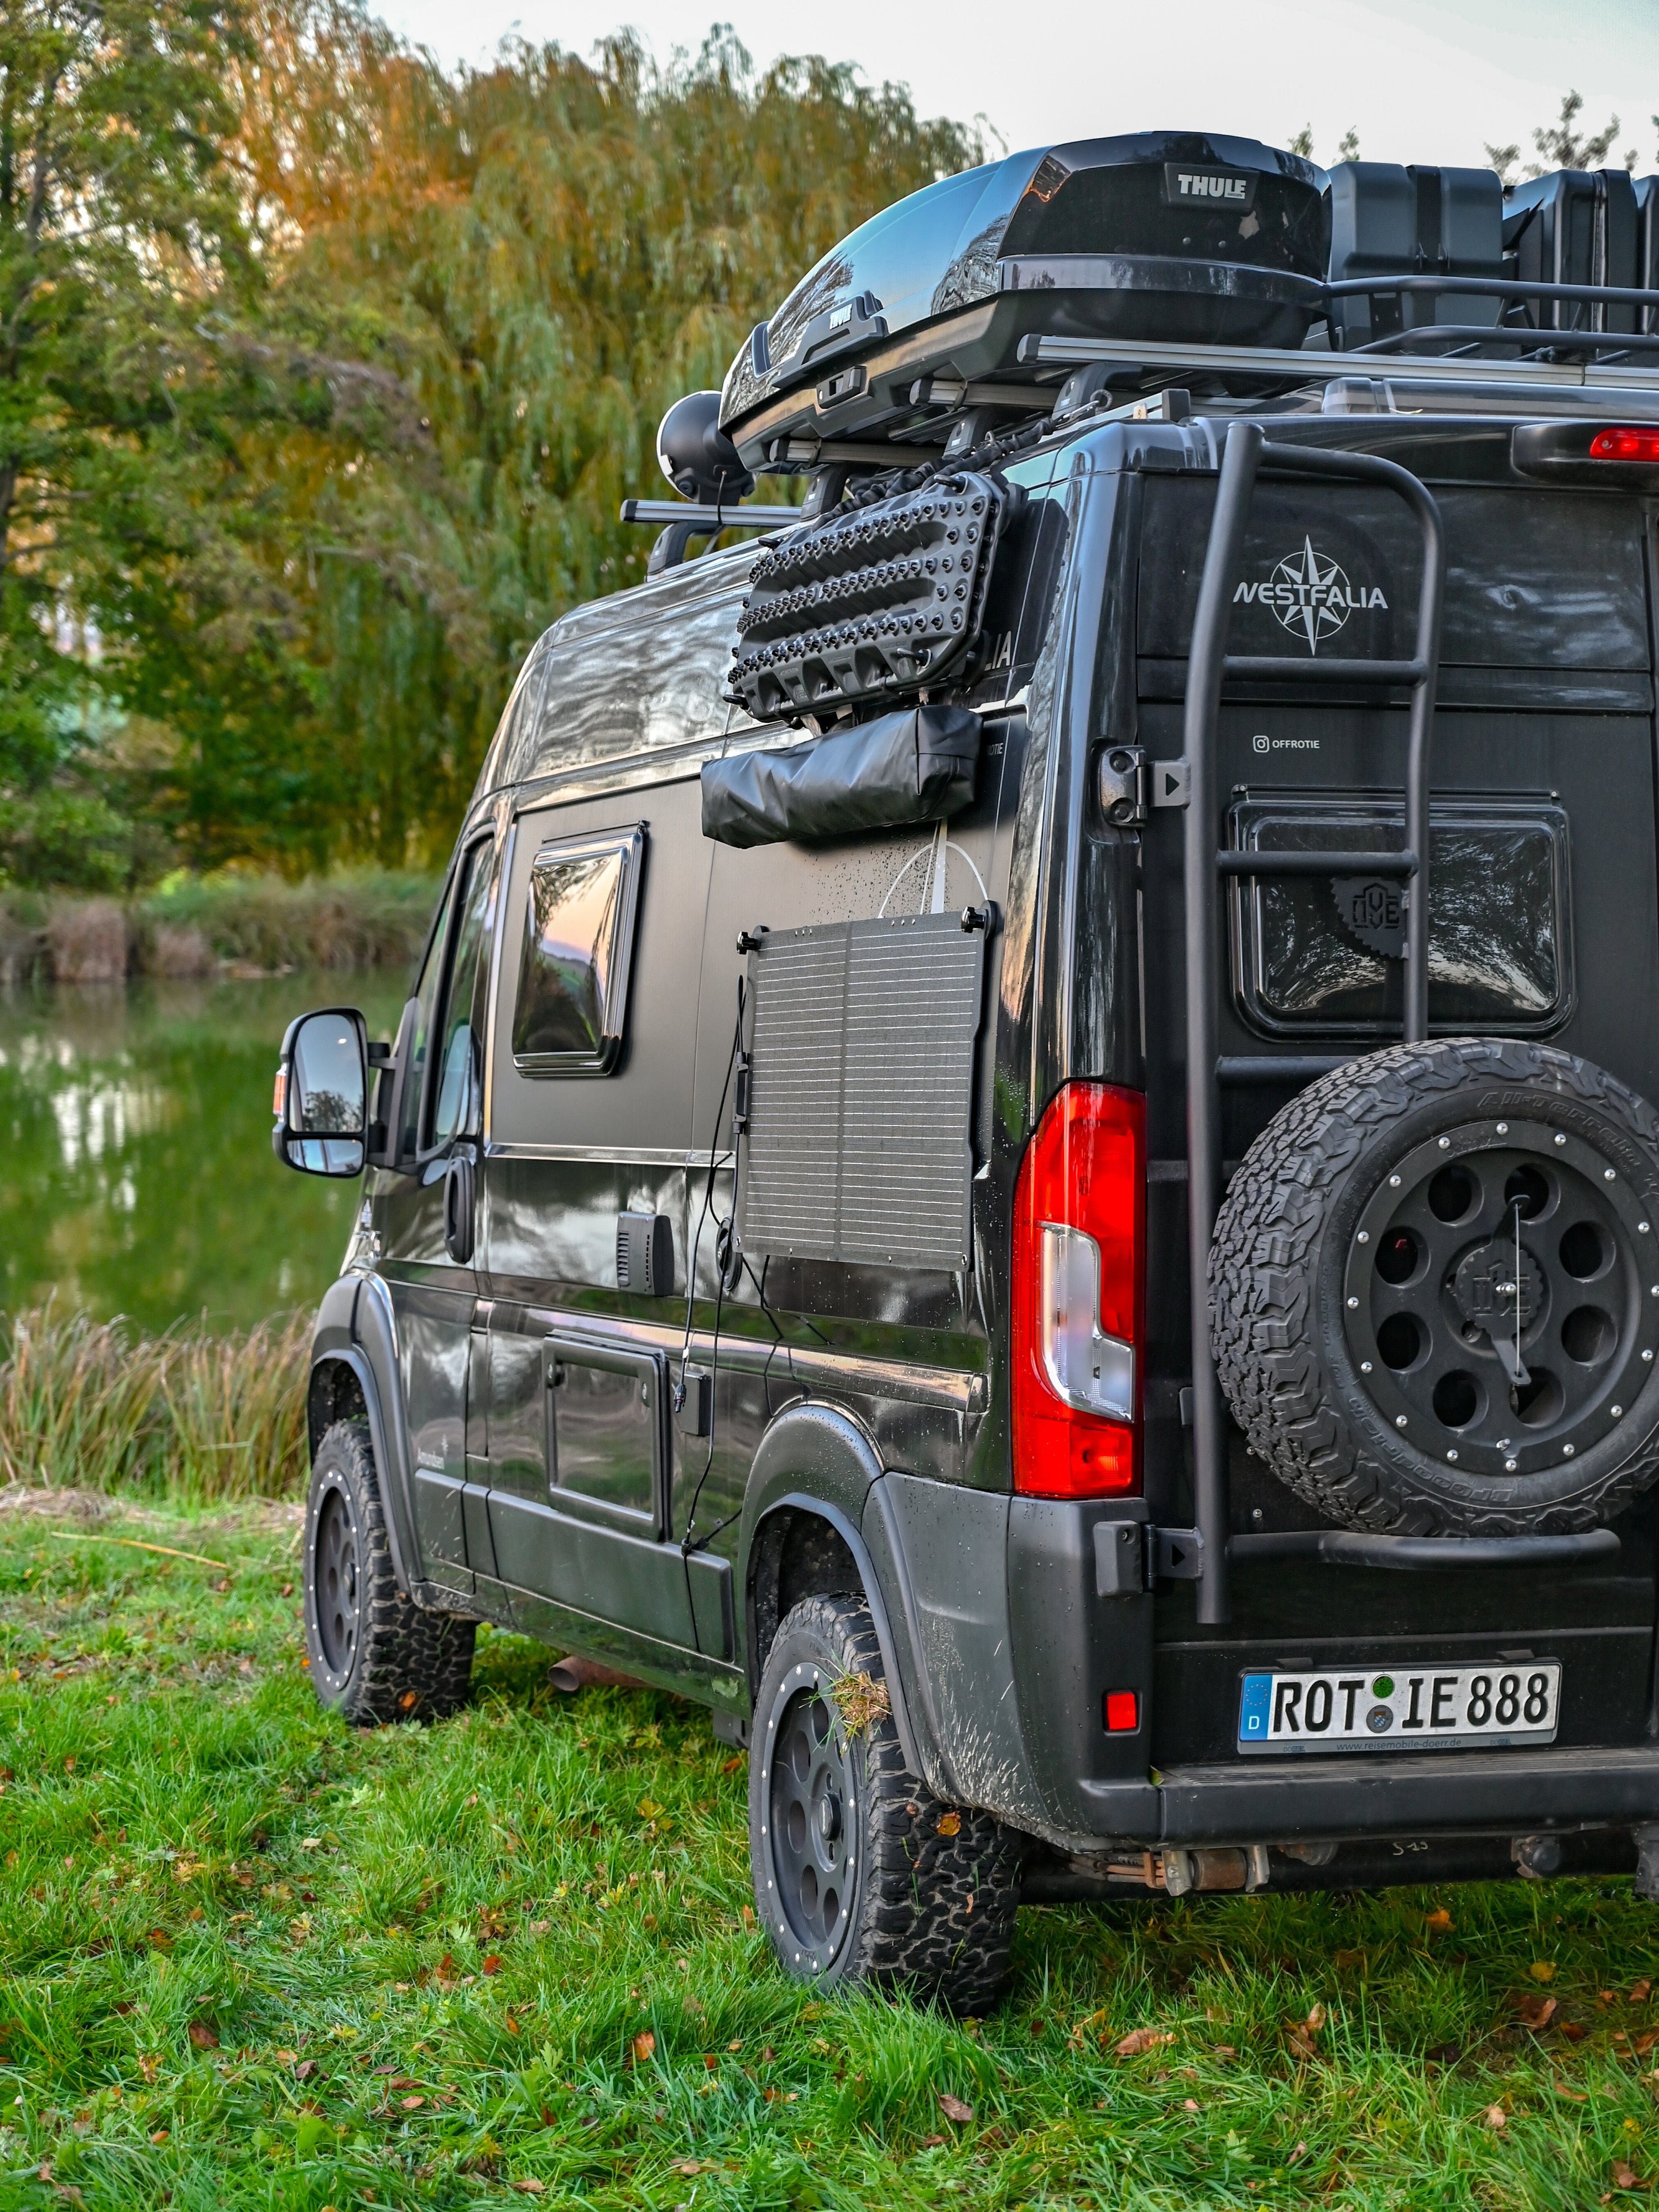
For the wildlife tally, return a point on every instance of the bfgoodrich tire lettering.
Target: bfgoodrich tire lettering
(375, 1655)
(880, 1883)
(1304, 1220)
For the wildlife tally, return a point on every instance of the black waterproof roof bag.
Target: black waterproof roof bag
(1388, 220)
(904, 768)
(1647, 245)
(1574, 227)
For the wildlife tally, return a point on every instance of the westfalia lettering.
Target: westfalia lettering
(1195, 184)
(1333, 595)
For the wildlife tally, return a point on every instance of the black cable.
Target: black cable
(688, 1544)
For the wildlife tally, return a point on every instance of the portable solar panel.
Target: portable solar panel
(862, 1038)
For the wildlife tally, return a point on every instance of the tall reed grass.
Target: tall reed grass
(188, 1416)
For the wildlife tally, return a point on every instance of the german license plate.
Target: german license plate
(1392, 1708)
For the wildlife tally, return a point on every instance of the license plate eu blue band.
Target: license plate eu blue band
(1399, 1708)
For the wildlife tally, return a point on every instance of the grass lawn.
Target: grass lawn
(253, 1958)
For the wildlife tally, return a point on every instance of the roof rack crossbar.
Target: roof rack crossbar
(1490, 287)
(1278, 364)
(1535, 343)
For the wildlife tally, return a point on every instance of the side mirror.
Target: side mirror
(321, 1103)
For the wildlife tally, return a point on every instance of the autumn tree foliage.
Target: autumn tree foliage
(322, 375)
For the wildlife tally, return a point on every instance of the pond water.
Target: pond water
(137, 1176)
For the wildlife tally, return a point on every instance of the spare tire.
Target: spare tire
(1435, 1292)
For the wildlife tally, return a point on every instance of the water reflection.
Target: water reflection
(139, 1177)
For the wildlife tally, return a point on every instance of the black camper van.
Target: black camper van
(1023, 1155)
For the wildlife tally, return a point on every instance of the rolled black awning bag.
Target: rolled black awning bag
(917, 766)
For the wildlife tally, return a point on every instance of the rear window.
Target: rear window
(1546, 580)
(568, 1015)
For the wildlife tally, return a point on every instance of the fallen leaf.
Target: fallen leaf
(1439, 1922)
(1641, 2044)
(1226, 2051)
(1623, 2177)
(492, 1964)
(1542, 1970)
(644, 2047)
(304, 2069)
(690, 2166)
(530, 2186)
(1141, 2038)
(1300, 2152)
(931, 2142)
(1536, 2013)
(160, 2136)
(949, 1823)
(1314, 2020)
(731, 1765)
(287, 1591)
(1575, 2031)
(954, 2109)
(446, 1967)
(1639, 1994)
(409, 1700)
(1577, 2096)
(1495, 2118)
(412, 2103)
(1190, 2105)
(202, 2036)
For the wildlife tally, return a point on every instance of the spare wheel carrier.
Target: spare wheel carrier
(1365, 1294)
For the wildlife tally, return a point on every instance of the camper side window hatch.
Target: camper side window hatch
(570, 1012)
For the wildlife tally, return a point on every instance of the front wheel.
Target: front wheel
(861, 1875)
(375, 1656)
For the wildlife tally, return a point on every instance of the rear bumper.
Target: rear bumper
(1293, 1800)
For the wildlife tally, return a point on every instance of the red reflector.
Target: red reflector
(1122, 1712)
(1078, 1292)
(1624, 444)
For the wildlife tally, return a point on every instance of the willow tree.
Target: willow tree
(542, 255)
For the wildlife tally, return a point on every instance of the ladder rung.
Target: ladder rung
(1316, 864)
(1286, 668)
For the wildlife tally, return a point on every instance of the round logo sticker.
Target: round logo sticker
(1379, 1720)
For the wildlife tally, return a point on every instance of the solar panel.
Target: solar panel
(862, 1039)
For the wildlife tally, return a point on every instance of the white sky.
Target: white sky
(1421, 80)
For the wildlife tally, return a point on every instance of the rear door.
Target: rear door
(1545, 924)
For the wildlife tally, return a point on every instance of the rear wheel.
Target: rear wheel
(1435, 1292)
(375, 1656)
(861, 1874)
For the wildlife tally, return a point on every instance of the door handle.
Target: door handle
(458, 1196)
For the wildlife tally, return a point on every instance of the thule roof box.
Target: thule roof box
(1174, 235)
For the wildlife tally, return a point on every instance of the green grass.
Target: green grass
(252, 1958)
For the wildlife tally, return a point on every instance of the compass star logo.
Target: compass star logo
(1310, 595)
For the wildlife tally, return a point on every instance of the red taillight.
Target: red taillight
(1079, 1295)
(1122, 1712)
(1624, 444)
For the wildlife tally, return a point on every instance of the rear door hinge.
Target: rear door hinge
(1123, 786)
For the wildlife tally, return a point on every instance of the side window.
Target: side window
(458, 1077)
(571, 1002)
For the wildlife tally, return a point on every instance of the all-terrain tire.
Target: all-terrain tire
(931, 1888)
(1283, 1282)
(375, 1656)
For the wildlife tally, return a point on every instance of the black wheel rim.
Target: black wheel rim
(334, 1565)
(813, 1801)
(1501, 1297)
